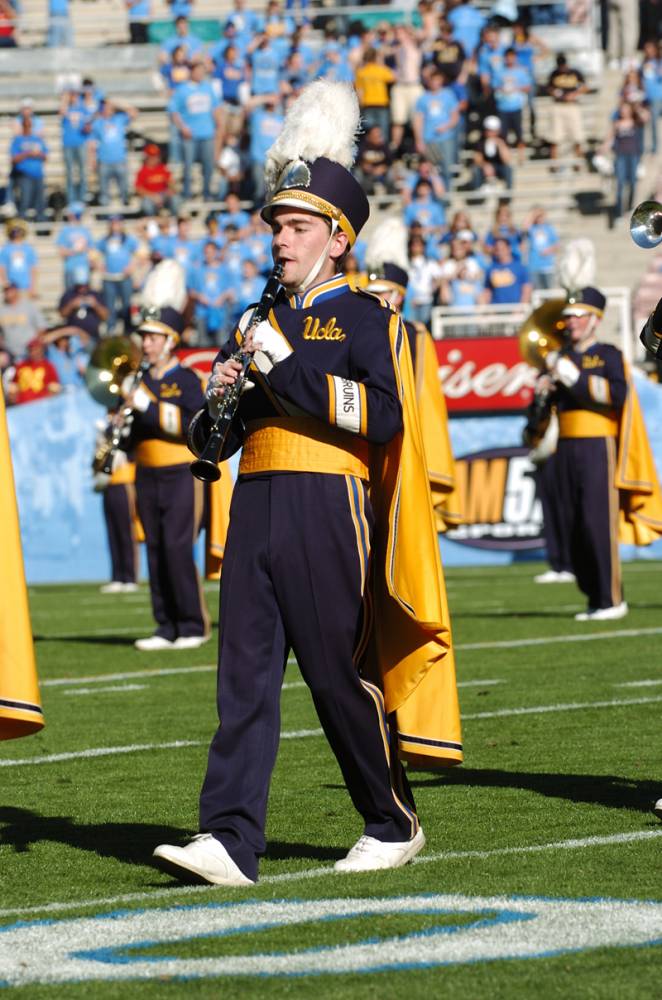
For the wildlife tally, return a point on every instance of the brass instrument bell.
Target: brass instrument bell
(112, 360)
(543, 331)
(646, 225)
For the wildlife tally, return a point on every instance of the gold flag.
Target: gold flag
(20, 705)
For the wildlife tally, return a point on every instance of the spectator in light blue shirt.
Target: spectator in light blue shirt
(28, 154)
(25, 111)
(233, 214)
(651, 74)
(507, 281)
(489, 59)
(192, 44)
(247, 290)
(265, 123)
(66, 353)
(75, 126)
(60, 33)
(543, 247)
(163, 244)
(265, 65)
(74, 242)
(196, 113)
(467, 23)
(139, 13)
(185, 249)
(212, 291)
(256, 244)
(246, 23)
(512, 84)
(18, 260)
(436, 116)
(118, 249)
(109, 130)
(425, 210)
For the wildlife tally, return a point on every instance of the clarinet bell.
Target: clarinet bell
(206, 470)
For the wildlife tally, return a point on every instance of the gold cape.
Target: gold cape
(640, 520)
(20, 706)
(219, 499)
(410, 646)
(433, 417)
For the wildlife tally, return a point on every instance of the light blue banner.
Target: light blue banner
(62, 525)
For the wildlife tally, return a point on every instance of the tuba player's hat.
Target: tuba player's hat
(163, 301)
(386, 257)
(308, 166)
(585, 300)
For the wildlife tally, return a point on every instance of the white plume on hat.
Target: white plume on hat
(388, 244)
(577, 264)
(324, 120)
(165, 286)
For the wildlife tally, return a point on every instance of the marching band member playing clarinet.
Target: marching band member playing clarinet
(331, 549)
(170, 501)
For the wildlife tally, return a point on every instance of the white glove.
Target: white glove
(215, 400)
(140, 399)
(100, 481)
(566, 371)
(270, 343)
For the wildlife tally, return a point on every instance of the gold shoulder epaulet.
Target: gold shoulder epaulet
(377, 298)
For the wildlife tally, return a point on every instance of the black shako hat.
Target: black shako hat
(387, 275)
(325, 188)
(585, 300)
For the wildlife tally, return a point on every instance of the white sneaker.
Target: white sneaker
(190, 641)
(129, 588)
(204, 859)
(369, 854)
(552, 576)
(657, 808)
(114, 587)
(153, 643)
(603, 614)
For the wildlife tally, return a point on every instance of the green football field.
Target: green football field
(542, 874)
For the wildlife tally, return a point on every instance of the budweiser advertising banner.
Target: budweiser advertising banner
(484, 375)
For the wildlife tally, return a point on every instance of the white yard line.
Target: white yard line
(298, 734)
(625, 633)
(567, 707)
(130, 675)
(576, 843)
(638, 684)
(111, 687)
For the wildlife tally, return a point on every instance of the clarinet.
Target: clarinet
(205, 466)
(103, 458)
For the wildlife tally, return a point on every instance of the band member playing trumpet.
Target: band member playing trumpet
(313, 553)
(170, 501)
(607, 488)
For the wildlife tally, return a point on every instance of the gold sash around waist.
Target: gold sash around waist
(124, 474)
(587, 424)
(155, 453)
(302, 444)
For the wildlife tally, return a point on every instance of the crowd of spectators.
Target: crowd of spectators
(448, 104)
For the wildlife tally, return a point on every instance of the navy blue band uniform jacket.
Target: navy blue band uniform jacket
(603, 403)
(159, 433)
(344, 402)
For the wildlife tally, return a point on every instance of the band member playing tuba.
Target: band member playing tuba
(331, 524)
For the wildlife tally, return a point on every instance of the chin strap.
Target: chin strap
(317, 266)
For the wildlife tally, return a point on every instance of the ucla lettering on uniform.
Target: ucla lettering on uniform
(313, 330)
(169, 391)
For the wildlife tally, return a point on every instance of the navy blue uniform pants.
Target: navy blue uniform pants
(294, 576)
(119, 504)
(554, 523)
(170, 504)
(588, 504)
